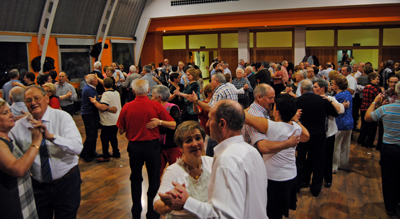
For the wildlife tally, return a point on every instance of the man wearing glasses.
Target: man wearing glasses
(55, 173)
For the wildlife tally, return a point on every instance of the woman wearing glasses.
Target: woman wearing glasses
(51, 93)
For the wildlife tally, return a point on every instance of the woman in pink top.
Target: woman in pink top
(278, 79)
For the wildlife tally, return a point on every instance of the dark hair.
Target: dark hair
(13, 73)
(372, 76)
(147, 68)
(31, 76)
(42, 79)
(174, 68)
(160, 64)
(173, 75)
(233, 116)
(186, 68)
(218, 71)
(368, 69)
(227, 77)
(265, 64)
(348, 68)
(316, 70)
(286, 104)
(53, 74)
(215, 65)
(184, 128)
(108, 82)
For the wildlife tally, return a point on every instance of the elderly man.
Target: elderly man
(225, 66)
(66, 94)
(314, 121)
(144, 145)
(241, 64)
(360, 68)
(18, 106)
(149, 78)
(240, 82)
(325, 73)
(238, 182)
(14, 75)
(97, 71)
(55, 173)
(91, 119)
(300, 76)
(253, 81)
(166, 65)
(390, 151)
(311, 74)
(285, 77)
(127, 83)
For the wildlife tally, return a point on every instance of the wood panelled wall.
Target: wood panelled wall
(272, 55)
(323, 55)
(391, 53)
(231, 57)
(174, 56)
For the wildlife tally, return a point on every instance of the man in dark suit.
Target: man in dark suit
(314, 114)
(253, 81)
(97, 71)
(263, 75)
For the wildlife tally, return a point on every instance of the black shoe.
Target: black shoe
(96, 155)
(115, 155)
(390, 213)
(87, 159)
(304, 185)
(398, 209)
(328, 185)
(315, 193)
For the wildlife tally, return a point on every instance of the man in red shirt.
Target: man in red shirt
(140, 119)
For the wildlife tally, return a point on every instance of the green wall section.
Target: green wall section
(229, 40)
(366, 37)
(210, 41)
(367, 55)
(391, 37)
(320, 38)
(199, 57)
(274, 39)
(174, 42)
(251, 39)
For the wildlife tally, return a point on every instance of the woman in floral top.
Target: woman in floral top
(368, 129)
(193, 86)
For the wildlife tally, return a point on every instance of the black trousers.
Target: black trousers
(380, 135)
(367, 132)
(244, 102)
(357, 101)
(69, 109)
(390, 169)
(61, 199)
(279, 88)
(329, 148)
(139, 153)
(310, 160)
(131, 96)
(210, 147)
(109, 135)
(91, 122)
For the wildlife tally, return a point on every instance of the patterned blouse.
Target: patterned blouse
(25, 192)
(345, 121)
(369, 93)
(189, 90)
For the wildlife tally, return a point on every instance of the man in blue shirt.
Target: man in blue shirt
(14, 75)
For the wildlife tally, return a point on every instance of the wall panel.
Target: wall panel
(274, 55)
(175, 56)
(231, 57)
(323, 55)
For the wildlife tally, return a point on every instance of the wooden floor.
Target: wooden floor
(356, 194)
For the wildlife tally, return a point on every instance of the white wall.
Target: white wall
(162, 8)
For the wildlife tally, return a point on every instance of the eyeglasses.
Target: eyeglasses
(392, 82)
(36, 99)
(48, 91)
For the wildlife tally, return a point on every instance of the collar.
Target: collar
(219, 86)
(92, 86)
(308, 92)
(18, 104)
(397, 101)
(257, 107)
(97, 70)
(46, 115)
(225, 143)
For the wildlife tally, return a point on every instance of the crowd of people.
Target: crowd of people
(241, 146)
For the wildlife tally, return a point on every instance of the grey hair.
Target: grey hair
(271, 64)
(140, 86)
(13, 73)
(17, 94)
(397, 88)
(307, 85)
(232, 112)
(284, 62)
(249, 68)
(220, 77)
(240, 69)
(147, 68)
(240, 60)
(97, 65)
(132, 68)
(225, 63)
(261, 90)
(90, 78)
(322, 83)
(279, 67)
(41, 89)
(161, 91)
(302, 73)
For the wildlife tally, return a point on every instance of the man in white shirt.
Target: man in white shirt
(360, 67)
(325, 73)
(225, 66)
(57, 188)
(350, 79)
(238, 181)
(300, 76)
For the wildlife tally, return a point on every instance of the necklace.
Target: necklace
(193, 171)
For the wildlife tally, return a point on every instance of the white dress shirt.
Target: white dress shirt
(238, 183)
(352, 84)
(63, 150)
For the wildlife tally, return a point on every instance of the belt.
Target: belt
(66, 176)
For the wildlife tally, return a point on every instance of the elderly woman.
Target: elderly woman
(368, 129)
(344, 124)
(169, 150)
(192, 86)
(51, 92)
(16, 197)
(193, 169)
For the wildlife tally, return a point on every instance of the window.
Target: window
(123, 53)
(12, 55)
(75, 61)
